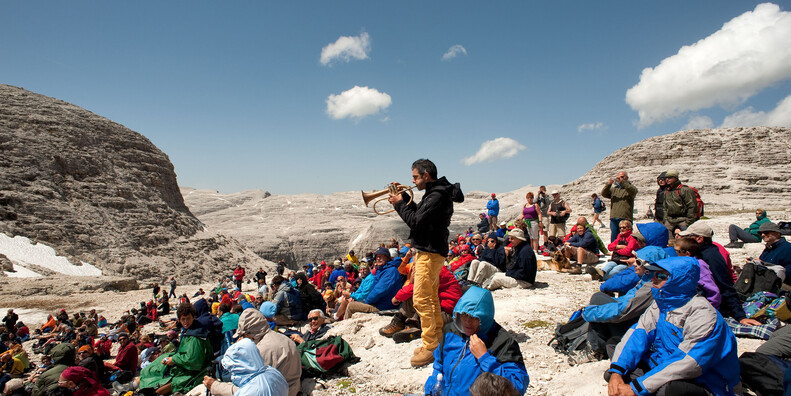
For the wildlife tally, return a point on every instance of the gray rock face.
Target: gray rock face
(99, 192)
(732, 168)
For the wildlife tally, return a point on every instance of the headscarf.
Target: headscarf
(87, 384)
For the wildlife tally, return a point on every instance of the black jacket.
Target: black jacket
(495, 257)
(428, 220)
(731, 306)
(659, 211)
(523, 263)
(311, 298)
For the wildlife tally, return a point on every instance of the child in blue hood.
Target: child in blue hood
(474, 343)
(250, 374)
(680, 345)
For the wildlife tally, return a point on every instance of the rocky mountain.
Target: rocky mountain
(734, 169)
(98, 192)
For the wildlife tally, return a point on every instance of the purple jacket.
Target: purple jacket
(707, 286)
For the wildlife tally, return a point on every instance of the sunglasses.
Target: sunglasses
(661, 275)
(624, 228)
(313, 319)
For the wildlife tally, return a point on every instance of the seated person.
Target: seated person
(62, 358)
(521, 266)
(740, 236)
(680, 345)
(491, 260)
(582, 247)
(474, 343)
(81, 382)
(288, 302)
(183, 370)
(249, 373)
(316, 330)
(338, 271)
(387, 281)
(777, 250)
(483, 225)
(126, 358)
(688, 247)
(622, 248)
(405, 325)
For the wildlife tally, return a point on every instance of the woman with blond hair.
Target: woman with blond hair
(531, 214)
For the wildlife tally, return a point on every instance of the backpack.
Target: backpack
(757, 278)
(558, 207)
(325, 356)
(701, 205)
(785, 227)
(571, 336)
(762, 373)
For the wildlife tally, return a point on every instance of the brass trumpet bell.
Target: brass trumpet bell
(391, 189)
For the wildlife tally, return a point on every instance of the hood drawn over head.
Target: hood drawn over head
(478, 303)
(243, 361)
(252, 322)
(655, 234)
(63, 353)
(682, 284)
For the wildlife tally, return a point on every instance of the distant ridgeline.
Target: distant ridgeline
(98, 192)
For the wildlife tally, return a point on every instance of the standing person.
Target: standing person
(598, 208)
(493, 206)
(172, 293)
(659, 211)
(238, 275)
(281, 267)
(156, 290)
(679, 206)
(543, 202)
(559, 211)
(428, 224)
(531, 214)
(621, 193)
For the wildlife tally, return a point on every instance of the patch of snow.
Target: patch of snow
(21, 252)
(357, 239)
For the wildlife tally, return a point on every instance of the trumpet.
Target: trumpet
(391, 189)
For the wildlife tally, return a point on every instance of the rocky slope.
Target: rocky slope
(734, 169)
(99, 192)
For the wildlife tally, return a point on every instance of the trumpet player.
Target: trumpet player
(428, 223)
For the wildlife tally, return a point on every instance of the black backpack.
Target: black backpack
(571, 336)
(756, 278)
(763, 374)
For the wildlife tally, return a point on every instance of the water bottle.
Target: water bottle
(437, 389)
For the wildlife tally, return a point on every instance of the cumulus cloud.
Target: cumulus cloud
(357, 103)
(749, 53)
(453, 52)
(699, 122)
(492, 150)
(346, 48)
(780, 116)
(591, 126)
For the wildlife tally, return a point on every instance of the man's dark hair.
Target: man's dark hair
(277, 280)
(488, 384)
(224, 308)
(186, 309)
(237, 308)
(688, 244)
(423, 165)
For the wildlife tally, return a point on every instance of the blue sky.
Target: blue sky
(237, 95)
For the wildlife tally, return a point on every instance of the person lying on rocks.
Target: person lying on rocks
(405, 325)
(387, 281)
(473, 343)
(680, 345)
(317, 328)
(739, 236)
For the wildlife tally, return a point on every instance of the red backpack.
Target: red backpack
(699, 212)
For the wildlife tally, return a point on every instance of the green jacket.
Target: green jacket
(621, 199)
(602, 246)
(190, 362)
(62, 357)
(753, 228)
(680, 205)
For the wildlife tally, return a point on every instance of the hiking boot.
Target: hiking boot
(422, 357)
(122, 388)
(595, 273)
(395, 326)
(734, 245)
(584, 355)
(406, 335)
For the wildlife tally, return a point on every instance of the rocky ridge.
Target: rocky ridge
(98, 192)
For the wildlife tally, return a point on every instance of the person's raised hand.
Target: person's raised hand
(477, 347)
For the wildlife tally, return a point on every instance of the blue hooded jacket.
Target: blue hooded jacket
(365, 287)
(681, 336)
(494, 207)
(458, 365)
(250, 374)
(387, 282)
(655, 234)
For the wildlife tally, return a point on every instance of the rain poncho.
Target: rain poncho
(250, 374)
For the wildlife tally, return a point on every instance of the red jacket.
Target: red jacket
(238, 273)
(449, 291)
(628, 240)
(463, 259)
(127, 358)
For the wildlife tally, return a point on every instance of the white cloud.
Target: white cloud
(780, 116)
(492, 150)
(749, 53)
(453, 52)
(346, 48)
(357, 103)
(698, 122)
(591, 126)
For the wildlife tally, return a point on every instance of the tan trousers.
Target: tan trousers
(426, 297)
(356, 306)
